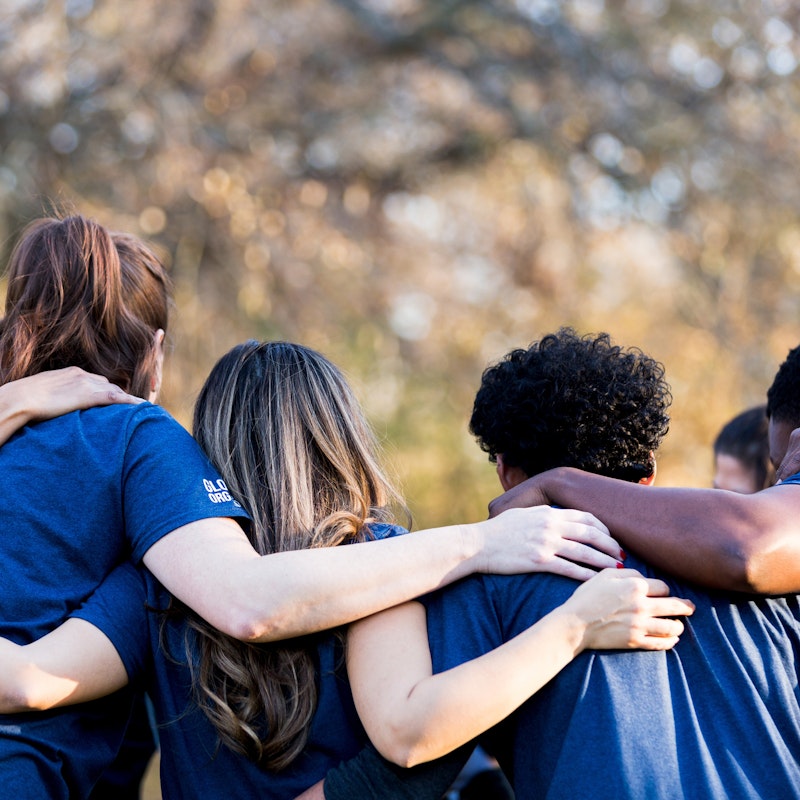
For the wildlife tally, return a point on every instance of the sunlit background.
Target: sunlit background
(416, 187)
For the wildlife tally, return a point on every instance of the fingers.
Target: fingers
(664, 628)
(583, 538)
(594, 551)
(113, 394)
(659, 634)
(95, 390)
(669, 607)
(656, 600)
(658, 643)
(569, 569)
(583, 518)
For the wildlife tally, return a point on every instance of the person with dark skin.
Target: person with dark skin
(611, 725)
(723, 540)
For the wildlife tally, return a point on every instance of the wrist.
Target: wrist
(572, 626)
(472, 548)
(554, 484)
(12, 408)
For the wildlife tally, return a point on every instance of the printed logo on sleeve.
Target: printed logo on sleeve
(218, 492)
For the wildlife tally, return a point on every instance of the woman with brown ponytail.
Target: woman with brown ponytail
(89, 490)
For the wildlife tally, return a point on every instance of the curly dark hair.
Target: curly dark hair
(783, 397)
(574, 401)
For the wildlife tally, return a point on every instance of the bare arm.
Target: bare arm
(73, 664)
(211, 566)
(413, 716)
(720, 539)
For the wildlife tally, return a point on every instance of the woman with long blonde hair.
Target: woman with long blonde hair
(295, 449)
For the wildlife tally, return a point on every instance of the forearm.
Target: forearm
(19, 689)
(432, 719)
(73, 664)
(720, 539)
(267, 598)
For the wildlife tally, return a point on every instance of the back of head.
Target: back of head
(574, 401)
(79, 295)
(284, 429)
(745, 439)
(783, 397)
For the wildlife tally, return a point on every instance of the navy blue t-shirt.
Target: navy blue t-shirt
(193, 763)
(83, 493)
(717, 717)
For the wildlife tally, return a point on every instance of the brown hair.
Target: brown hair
(79, 295)
(284, 429)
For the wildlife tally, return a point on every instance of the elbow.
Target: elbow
(402, 748)
(398, 753)
(246, 622)
(736, 568)
(757, 573)
(747, 567)
(21, 696)
(244, 625)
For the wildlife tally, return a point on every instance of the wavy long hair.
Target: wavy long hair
(284, 429)
(79, 295)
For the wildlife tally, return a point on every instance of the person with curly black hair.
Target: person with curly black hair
(724, 540)
(610, 725)
(573, 401)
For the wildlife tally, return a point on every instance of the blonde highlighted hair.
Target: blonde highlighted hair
(284, 429)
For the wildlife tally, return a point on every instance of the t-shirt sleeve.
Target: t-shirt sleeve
(792, 479)
(118, 608)
(371, 777)
(168, 482)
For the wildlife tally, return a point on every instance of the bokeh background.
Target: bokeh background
(416, 187)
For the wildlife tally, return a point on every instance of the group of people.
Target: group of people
(295, 640)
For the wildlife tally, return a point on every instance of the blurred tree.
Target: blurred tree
(414, 188)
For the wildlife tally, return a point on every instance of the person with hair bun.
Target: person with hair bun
(91, 489)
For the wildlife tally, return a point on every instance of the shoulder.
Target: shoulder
(122, 416)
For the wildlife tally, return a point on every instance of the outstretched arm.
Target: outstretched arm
(75, 663)
(211, 566)
(413, 716)
(720, 539)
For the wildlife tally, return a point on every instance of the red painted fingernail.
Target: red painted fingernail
(620, 565)
(623, 555)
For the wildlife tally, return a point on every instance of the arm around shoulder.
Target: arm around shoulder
(724, 540)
